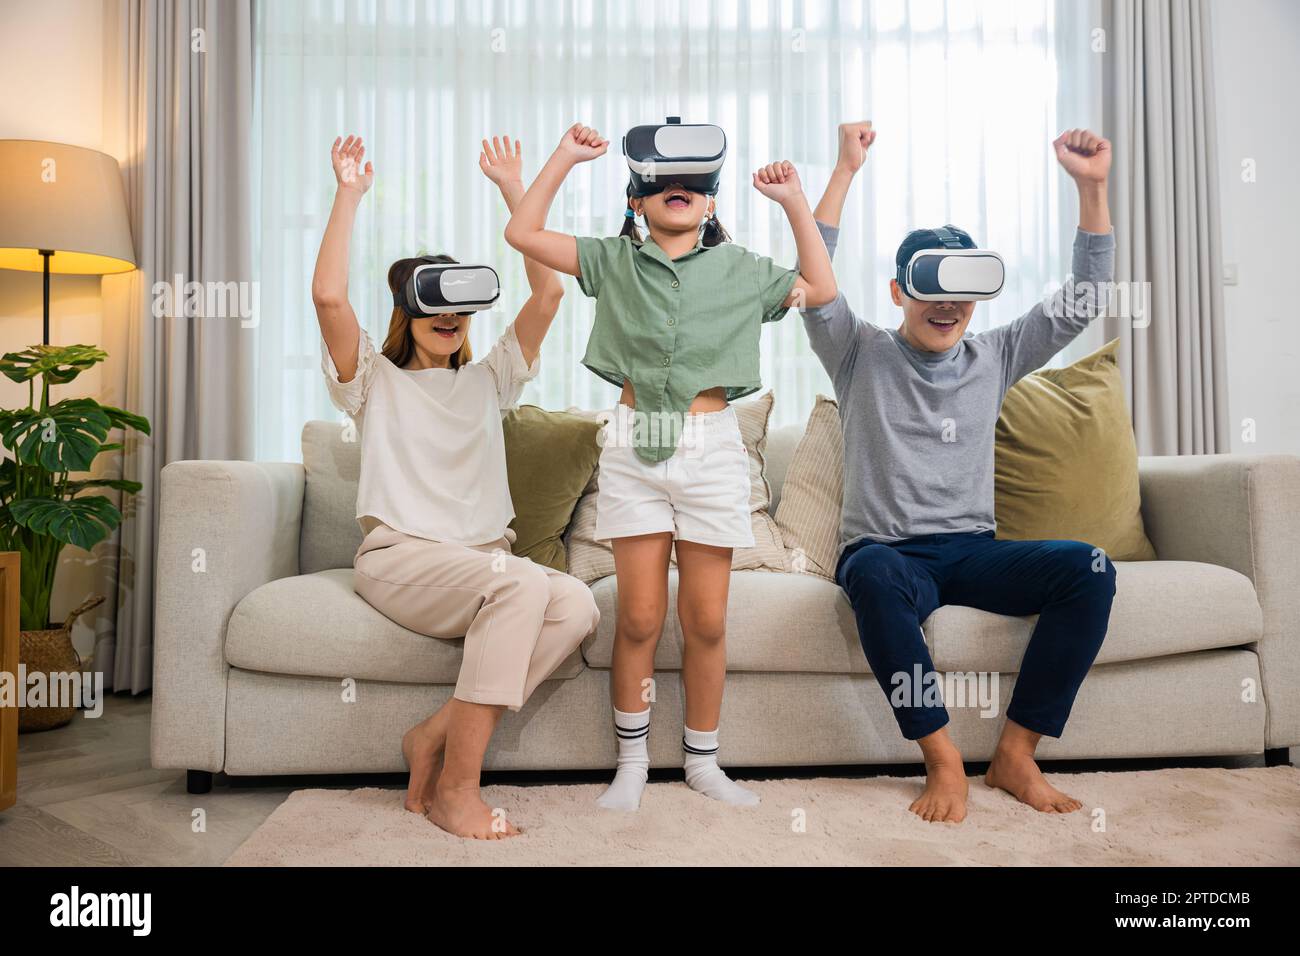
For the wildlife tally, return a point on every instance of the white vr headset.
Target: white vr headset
(952, 273)
(688, 155)
(439, 288)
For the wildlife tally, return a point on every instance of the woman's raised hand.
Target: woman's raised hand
(502, 163)
(346, 156)
(581, 143)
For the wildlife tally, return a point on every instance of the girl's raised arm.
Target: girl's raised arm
(329, 284)
(816, 283)
(527, 230)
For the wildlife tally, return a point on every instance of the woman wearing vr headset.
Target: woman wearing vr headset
(433, 500)
(918, 523)
(678, 318)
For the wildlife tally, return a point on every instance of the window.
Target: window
(964, 95)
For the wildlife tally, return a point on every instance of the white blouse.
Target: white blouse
(433, 455)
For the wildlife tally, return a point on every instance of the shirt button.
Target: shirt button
(672, 321)
(666, 360)
(676, 284)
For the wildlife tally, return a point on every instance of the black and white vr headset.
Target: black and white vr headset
(952, 273)
(689, 155)
(439, 288)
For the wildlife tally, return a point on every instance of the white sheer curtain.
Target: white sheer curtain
(964, 95)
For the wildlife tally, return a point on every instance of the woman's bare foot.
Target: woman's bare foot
(1017, 773)
(422, 747)
(462, 812)
(944, 798)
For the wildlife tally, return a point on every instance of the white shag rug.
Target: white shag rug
(1178, 817)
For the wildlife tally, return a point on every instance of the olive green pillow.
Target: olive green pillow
(1066, 462)
(550, 457)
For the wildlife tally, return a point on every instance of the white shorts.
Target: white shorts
(700, 494)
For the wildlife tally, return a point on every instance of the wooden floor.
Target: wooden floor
(87, 796)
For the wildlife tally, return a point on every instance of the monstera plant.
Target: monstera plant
(43, 506)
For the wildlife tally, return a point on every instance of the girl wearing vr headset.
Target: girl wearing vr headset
(433, 500)
(918, 527)
(678, 318)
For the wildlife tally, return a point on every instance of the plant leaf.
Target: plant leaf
(124, 419)
(121, 484)
(65, 437)
(59, 364)
(83, 522)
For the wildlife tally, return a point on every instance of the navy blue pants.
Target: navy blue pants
(894, 587)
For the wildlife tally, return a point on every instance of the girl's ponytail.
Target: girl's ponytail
(714, 234)
(629, 224)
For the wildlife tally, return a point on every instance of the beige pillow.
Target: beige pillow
(590, 560)
(1066, 462)
(808, 516)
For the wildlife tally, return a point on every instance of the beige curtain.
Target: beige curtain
(1159, 106)
(178, 104)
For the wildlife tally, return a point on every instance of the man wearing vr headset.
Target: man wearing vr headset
(918, 406)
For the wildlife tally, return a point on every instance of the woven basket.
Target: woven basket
(48, 652)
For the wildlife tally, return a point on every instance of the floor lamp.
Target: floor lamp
(62, 211)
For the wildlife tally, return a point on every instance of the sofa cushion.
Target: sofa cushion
(1065, 461)
(550, 459)
(315, 625)
(802, 622)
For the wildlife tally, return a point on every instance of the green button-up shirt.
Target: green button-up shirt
(675, 327)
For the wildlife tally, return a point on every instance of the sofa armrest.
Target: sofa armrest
(1240, 512)
(224, 529)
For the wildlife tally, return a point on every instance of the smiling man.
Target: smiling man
(918, 406)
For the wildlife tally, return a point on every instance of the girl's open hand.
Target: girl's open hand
(346, 156)
(501, 164)
(778, 181)
(581, 144)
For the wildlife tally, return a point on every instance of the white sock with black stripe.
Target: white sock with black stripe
(633, 762)
(703, 775)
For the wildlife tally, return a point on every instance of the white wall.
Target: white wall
(51, 56)
(1257, 74)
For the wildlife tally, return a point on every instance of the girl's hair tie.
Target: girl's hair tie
(629, 213)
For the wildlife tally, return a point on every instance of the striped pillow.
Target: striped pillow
(808, 516)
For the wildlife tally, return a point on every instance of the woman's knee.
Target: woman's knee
(703, 625)
(572, 603)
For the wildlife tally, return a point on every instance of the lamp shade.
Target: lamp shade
(64, 199)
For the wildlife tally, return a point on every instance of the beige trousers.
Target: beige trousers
(520, 620)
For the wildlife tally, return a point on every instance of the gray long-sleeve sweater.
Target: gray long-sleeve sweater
(918, 426)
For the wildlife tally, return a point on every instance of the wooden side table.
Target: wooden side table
(9, 564)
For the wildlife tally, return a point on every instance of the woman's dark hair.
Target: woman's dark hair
(711, 234)
(399, 344)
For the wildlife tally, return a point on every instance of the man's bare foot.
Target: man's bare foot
(462, 812)
(1018, 774)
(422, 747)
(944, 798)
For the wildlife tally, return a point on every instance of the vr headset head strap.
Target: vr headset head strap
(399, 296)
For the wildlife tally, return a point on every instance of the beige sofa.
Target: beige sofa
(266, 662)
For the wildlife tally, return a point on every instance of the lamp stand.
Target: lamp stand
(45, 312)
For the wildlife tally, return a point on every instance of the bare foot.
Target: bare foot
(1018, 775)
(422, 747)
(944, 798)
(462, 812)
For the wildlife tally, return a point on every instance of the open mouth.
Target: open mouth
(446, 331)
(941, 322)
(677, 199)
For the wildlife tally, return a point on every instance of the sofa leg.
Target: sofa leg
(1277, 757)
(198, 781)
